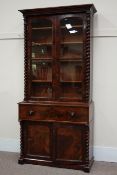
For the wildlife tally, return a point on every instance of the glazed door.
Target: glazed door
(56, 49)
(69, 143)
(42, 55)
(38, 140)
(71, 55)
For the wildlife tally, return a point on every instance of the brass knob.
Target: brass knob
(31, 112)
(72, 114)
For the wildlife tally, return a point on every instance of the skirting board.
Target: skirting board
(9, 145)
(108, 154)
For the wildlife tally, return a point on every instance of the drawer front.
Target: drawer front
(53, 113)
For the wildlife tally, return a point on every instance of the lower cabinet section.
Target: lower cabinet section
(55, 144)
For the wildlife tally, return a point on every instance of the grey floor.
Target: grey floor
(9, 166)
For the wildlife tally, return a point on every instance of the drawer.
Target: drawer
(53, 113)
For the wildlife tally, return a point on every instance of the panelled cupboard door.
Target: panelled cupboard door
(69, 143)
(38, 140)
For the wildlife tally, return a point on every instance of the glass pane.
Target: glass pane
(43, 90)
(41, 71)
(72, 38)
(41, 58)
(71, 68)
(71, 51)
(71, 90)
(71, 72)
(41, 78)
(41, 38)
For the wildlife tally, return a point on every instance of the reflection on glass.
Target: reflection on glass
(70, 72)
(41, 38)
(71, 38)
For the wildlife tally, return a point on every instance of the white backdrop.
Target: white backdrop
(104, 72)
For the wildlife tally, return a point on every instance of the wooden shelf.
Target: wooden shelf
(63, 27)
(76, 42)
(68, 81)
(70, 60)
(42, 81)
(41, 59)
(43, 43)
(79, 59)
(77, 26)
(41, 28)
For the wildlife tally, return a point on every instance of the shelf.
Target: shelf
(78, 42)
(50, 43)
(41, 59)
(70, 60)
(63, 27)
(39, 44)
(62, 59)
(41, 28)
(68, 81)
(42, 81)
(77, 26)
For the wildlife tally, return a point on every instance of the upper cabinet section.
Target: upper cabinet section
(58, 57)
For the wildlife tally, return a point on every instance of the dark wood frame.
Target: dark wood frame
(32, 110)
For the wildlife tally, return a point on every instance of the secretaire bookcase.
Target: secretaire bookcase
(56, 115)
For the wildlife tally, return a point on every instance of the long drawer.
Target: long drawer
(53, 113)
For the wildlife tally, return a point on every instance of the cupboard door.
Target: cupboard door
(69, 143)
(71, 57)
(38, 140)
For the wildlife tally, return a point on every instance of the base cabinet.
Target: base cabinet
(55, 144)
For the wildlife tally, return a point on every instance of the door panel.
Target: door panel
(39, 139)
(69, 143)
